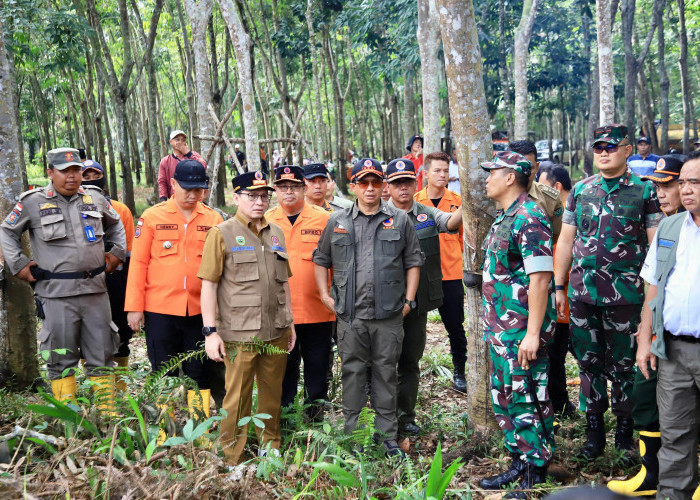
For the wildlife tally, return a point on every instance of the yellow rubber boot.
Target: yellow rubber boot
(647, 479)
(103, 387)
(198, 403)
(169, 414)
(696, 495)
(64, 389)
(120, 374)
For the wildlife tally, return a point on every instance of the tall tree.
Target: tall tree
(18, 360)
(664, 84)
(685, 77)
(429, 42)
(520, 51)
(470, 123)
(319, 132)
(606, 74)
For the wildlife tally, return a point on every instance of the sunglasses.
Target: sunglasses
(364, 184)
(610, 148)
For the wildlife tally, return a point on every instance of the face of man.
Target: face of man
(417, 148)
(386, 194)
(438, 173)
(689, 183)
(643, 149)
(186, 199)
(497, 183)
(369, 189)
(402, 190)
(90, 174)
(290, 195)
(316, 189)
(611, 159)
(66, 181)
(669, 195)
(252, 204)
(179, 145)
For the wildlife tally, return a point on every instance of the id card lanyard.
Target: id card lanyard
(89, 230)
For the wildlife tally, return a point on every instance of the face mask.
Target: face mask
(100, 183)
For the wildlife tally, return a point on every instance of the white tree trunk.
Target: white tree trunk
(198, 13)
(606, 75)
(319, 132)
(521, 44)
(241, 46)
(470, 126)
(428, 34)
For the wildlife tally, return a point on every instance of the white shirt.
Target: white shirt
(682, 294)
(454, 172)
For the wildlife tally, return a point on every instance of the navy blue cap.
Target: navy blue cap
(92, 164)
(412, 140)
(400, 168)
(313, 170)
(250, 181)
(668, 168)
(366, 166)
(190, 174)
(292, 173)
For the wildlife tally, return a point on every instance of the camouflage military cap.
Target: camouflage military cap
(63, 158)
(509, 159)
(613, 133)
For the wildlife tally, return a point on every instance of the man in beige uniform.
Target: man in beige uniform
(245, 271)
(68, 226)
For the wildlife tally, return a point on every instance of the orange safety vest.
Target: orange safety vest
(302, 240)
(165, 259)
(451, 245)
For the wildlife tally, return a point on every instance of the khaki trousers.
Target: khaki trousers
(268, 372)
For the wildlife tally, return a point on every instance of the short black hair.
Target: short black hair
(523, 147)
(693, 155)
(521, 179)
(556, 173)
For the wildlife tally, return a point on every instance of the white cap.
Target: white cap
(175, 133)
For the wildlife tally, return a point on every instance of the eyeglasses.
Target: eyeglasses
(289, 187)
(610, 148)
(376, 183)
(255, 197)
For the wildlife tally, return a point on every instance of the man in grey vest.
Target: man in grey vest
(672, 313)
(428, 222)
(376, 258)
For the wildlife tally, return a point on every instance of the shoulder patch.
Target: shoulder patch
(549, 191)
(31, 191)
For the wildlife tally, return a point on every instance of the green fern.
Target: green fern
(254, 345)
(364, 432)
(156, 381)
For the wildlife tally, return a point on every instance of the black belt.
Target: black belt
(683, 338)
(42, 274)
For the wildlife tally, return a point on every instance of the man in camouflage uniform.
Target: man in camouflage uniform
(519, 320)
(609, 219)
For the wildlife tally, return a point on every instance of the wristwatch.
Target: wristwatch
(411, 303)
(559, 288)
(208, 330)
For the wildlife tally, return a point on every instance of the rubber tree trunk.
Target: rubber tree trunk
(521, 44)
(470, 126)
(685, 81)
(18, 351)
(428, 34)
(319, 126)
(606, 74)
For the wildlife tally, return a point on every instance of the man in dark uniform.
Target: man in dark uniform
(68, 226)
(428, 222)
(374, 252)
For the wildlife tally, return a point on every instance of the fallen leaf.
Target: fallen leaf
(406, 445)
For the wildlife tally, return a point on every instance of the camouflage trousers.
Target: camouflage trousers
(603, 342)
(515, 407)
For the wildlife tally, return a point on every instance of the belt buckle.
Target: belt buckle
(87, 275)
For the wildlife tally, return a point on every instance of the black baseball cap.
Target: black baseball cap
(190, 174)
(250, 181)
(400, 168)
(412, 140)
(668, 168)
(643, 139)
(292, 173)
(366, 166)
(313, 170)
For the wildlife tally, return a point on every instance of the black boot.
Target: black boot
(623, 438)
(497, 482)
(647, 479)
(532, 476)
(460, 381)
(595, 437)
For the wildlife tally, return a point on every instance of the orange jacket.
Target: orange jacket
(451, 245)
(128, 221)
(301, 240)
(420, 171)
(165, 259)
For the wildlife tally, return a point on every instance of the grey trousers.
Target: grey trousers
(375, 344)
(82, 323)
(678, 397)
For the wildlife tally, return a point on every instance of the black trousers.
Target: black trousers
(452, 314)
(556, 351)
(168, 336)
(116, 289)
(313, 345)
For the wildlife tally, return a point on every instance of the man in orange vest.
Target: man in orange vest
(163, 289)
(437, 168)
(302, 224)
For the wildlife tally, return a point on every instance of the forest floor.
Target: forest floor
(72, 452)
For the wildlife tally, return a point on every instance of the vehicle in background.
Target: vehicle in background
(559, 155)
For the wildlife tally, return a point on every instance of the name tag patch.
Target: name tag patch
(665, 243)
(425, 224)
(242, 249)
(203, 228)
(277, 248)
(340, 230)
(166, 226)
(49, 211)
(312, 232)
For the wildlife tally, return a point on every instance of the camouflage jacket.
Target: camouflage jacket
(519, 244)
(611, 239)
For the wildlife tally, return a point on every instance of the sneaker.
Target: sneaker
(392, 449)
(411, 428)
